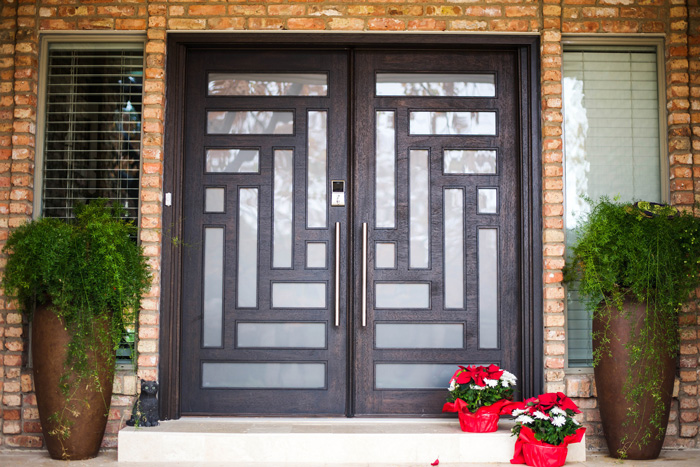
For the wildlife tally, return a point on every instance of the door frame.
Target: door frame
(527, 49)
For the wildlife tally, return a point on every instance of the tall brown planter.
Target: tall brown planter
(610, 376)
(87, 410)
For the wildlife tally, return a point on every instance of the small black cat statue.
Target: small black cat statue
(145, 411)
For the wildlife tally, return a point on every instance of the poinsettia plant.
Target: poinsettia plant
(549, 417)
(480, 386)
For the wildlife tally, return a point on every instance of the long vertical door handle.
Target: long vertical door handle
(364, 274)
(337, 274)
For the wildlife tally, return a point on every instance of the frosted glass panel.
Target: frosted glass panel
(267, 84)
(214, 199)
(396, 295)
(419, 336)
(419, 227)
(264, 375)
(282, 335)
(283, 209)
(233, 160)
(213, 286)
(488, 200)
(298, 295)
(385, 166)
(413, 376)
(254, 122)
(454, 248)
(316, 255)
(316, 196)
(385, 256)
(469, 161)
(452, 123)
(488, 288)
(436, 84)
(248, 247)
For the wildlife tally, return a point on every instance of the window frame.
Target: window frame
(86, 40)
(656, 41)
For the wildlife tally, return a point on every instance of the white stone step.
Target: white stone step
(327, 441)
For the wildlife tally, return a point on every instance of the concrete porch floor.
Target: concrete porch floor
(109, 459)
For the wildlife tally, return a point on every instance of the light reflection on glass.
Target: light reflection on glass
(436, 85)
(233, 160)
(419, 208)
(268, 84)
(469, 161)
(317, 163)
(488, 288)
(488, 200)
(212, 315)
(254, 122)
(452, 123)
(385, 157)
(454, 248)
(248, 247)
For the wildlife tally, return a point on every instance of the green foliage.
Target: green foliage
(89, 270)
(545, 430)
(649, 253)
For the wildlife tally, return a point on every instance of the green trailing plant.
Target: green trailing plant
(90, 270)
(650, 253)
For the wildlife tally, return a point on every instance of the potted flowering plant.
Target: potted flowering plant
(545, 426)
(480, 395)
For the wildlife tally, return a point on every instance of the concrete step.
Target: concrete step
(326, 441)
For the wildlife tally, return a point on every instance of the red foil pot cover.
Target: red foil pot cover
(479, 422)
(544, 455)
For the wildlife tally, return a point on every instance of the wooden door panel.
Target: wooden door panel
(386, 379)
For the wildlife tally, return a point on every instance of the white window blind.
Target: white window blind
(92, 139)
(611, 144)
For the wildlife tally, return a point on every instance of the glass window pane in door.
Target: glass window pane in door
(264, 375)
(436, 84)
(469, 161)
(454, 248)
(385, 257)
(252, 122)
(385, 166)
(452, 123)
(267, 84)
(281, 335)
(419, 208)
(316, 255)
(402, 295)
(232, 161)
(317, 170)
(488, 288)
(213, 295)
(419, 336)
(488, 200)
(214, 199)
(247, 247)
(283, 209)
(413, 375)
(298, 295)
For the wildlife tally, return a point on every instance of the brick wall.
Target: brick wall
(22, 21)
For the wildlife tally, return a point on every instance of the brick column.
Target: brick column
(553, 197)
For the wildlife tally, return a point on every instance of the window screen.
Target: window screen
(92, 140)
(611, 143)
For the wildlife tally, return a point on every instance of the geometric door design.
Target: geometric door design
(350, 231)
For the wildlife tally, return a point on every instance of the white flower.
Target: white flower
(557, 411)
(477, 387)
(508, 379)
(524, 419)
(518, 412)
(575, 421)
(559, 420)
(492, 383)
(540, 415)
(453, 385)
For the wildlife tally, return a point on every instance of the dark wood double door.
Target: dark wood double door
(352, 228)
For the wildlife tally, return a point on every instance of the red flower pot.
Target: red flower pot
(479, 422)
(544, 455)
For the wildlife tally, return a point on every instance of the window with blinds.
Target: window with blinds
(92, 138)
(612, 147)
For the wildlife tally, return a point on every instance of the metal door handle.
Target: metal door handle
(364, 274)
(337, 274)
